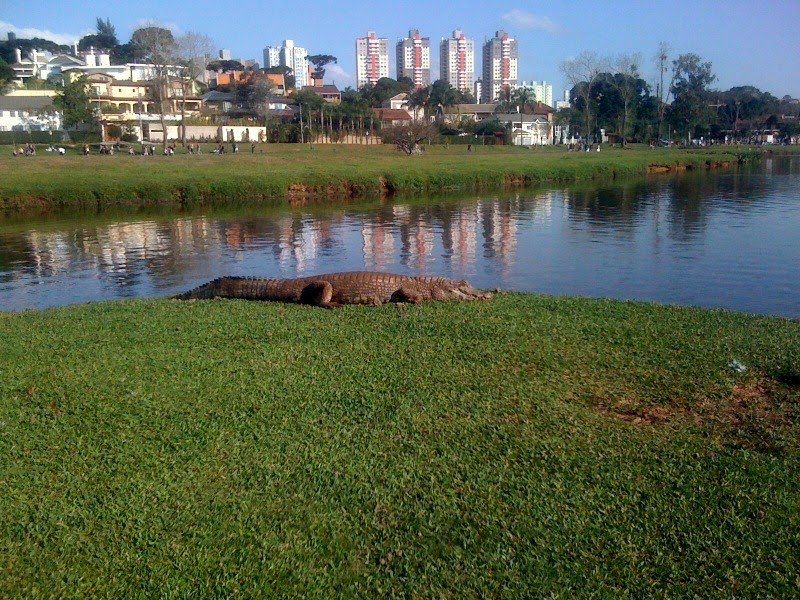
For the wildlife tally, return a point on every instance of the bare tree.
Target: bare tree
(407, 138)
(193, 50)
(662, 66)
(158, 47)
(581, 73)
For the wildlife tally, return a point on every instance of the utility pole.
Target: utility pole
(301, 124)
(141, 108)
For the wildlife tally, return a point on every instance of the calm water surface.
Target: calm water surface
(724, 239)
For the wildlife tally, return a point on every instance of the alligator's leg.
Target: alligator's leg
(407, 294)
(318, 293)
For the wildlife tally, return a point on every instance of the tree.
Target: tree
(320, 61)
(73, 101)
(158, 47)
(256, 97)
(443, 95)
(662, 65)
(105, 38)
(407, 138)
(226, 65)
(192, 48)
(524, 99)
(504, 101)
(7, 74)
(582, 72)
(420, 99)
(626, 80)
(406, 83)
(691, 78)
(377, 94)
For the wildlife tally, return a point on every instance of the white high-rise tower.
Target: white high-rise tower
(372, 59)
(289, 55)
(457, 61)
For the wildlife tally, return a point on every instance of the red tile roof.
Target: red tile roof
(391, 114)
(323, 89)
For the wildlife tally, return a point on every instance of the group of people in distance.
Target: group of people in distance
(147, 149)
(27, 150)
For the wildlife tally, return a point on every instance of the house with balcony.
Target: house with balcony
(41, 65)
(529, 130)
(135, 106)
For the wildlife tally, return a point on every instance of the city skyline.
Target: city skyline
(747, 45)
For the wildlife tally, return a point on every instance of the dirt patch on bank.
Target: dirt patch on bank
(762, 414)
(709, 164)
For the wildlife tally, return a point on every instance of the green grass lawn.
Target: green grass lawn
(275, 172)
(524, 446)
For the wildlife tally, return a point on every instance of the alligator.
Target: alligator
(336, 289)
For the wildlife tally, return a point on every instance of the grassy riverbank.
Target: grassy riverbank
(277, 173)
(522, 446)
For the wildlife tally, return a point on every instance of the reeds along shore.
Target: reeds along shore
(297, 174)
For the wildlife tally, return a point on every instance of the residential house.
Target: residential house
(529, 130)
(29, 110)
(389, 117)
(41, 65)
(134, 105)
(224, 80)
(226, 104)
(475, 112)
(400, 102)
(329, 93)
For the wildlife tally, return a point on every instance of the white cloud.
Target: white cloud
(30, 32)
(525, 20)
(337, 73)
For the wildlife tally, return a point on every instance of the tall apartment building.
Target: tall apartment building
(372, 59)
(543, 91)
(457, 61)
(565, 103)
(289, 55)
(500, 57)
(414, 59)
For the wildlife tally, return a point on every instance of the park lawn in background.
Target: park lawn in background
(279, 173)
(523, 446)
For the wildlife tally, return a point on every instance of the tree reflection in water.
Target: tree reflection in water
(628, 239)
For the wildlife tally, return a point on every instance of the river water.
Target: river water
(717, 239)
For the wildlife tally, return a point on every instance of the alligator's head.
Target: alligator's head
(461, 290)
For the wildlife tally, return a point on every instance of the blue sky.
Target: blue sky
(748, 42)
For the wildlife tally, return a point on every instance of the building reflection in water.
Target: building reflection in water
(169, 252)
(526, 241)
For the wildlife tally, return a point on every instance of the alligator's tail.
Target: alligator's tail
(207, 291)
